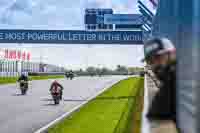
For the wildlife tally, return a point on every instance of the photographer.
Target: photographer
(160, 55)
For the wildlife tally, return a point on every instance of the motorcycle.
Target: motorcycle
(23, 86)
(57, 96)
(70, 75)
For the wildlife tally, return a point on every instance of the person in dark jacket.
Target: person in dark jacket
(23, 77)
(160, 55)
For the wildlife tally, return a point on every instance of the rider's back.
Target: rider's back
(23, 78)
(55, 87)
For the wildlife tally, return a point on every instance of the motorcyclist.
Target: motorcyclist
(56, 87)
(160, 55)
(71, 72)
(23, 77)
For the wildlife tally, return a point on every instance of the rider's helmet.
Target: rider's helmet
(23, 74)
(157, 46)
(52, 80)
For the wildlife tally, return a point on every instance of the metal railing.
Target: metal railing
(151, 89)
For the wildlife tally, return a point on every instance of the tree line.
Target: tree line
(119, 70)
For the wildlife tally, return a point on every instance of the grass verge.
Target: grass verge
(108, 113)
(8, 80)
(46, 77)
(137, 113)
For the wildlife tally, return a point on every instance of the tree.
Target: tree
(105, 71)
(135, 70)
(91, 71)
(98, 71)
(121, 69)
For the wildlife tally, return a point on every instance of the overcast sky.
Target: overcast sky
(65, 14)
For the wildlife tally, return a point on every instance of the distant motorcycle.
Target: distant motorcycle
(70, 76)
(23, 86)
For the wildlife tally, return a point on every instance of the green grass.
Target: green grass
(139, 104)
(131, 119)
(102, 115)
(46, 77)
(8, 80)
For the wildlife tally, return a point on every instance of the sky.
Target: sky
(62, 15)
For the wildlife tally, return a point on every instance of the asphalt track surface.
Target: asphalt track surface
(26, 114)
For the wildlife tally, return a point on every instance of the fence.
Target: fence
(151, 89)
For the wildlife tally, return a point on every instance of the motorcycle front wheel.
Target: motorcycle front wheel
(23, 91)
(56, 101)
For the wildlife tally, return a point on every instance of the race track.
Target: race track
(26, 114)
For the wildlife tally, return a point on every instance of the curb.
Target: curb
(145, 122)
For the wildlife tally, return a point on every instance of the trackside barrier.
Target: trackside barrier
(153, 126)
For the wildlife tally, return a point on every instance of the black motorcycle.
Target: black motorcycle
(23, 86)
(70, 76)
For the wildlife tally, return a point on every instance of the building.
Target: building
(94, 19)
(14, 61)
